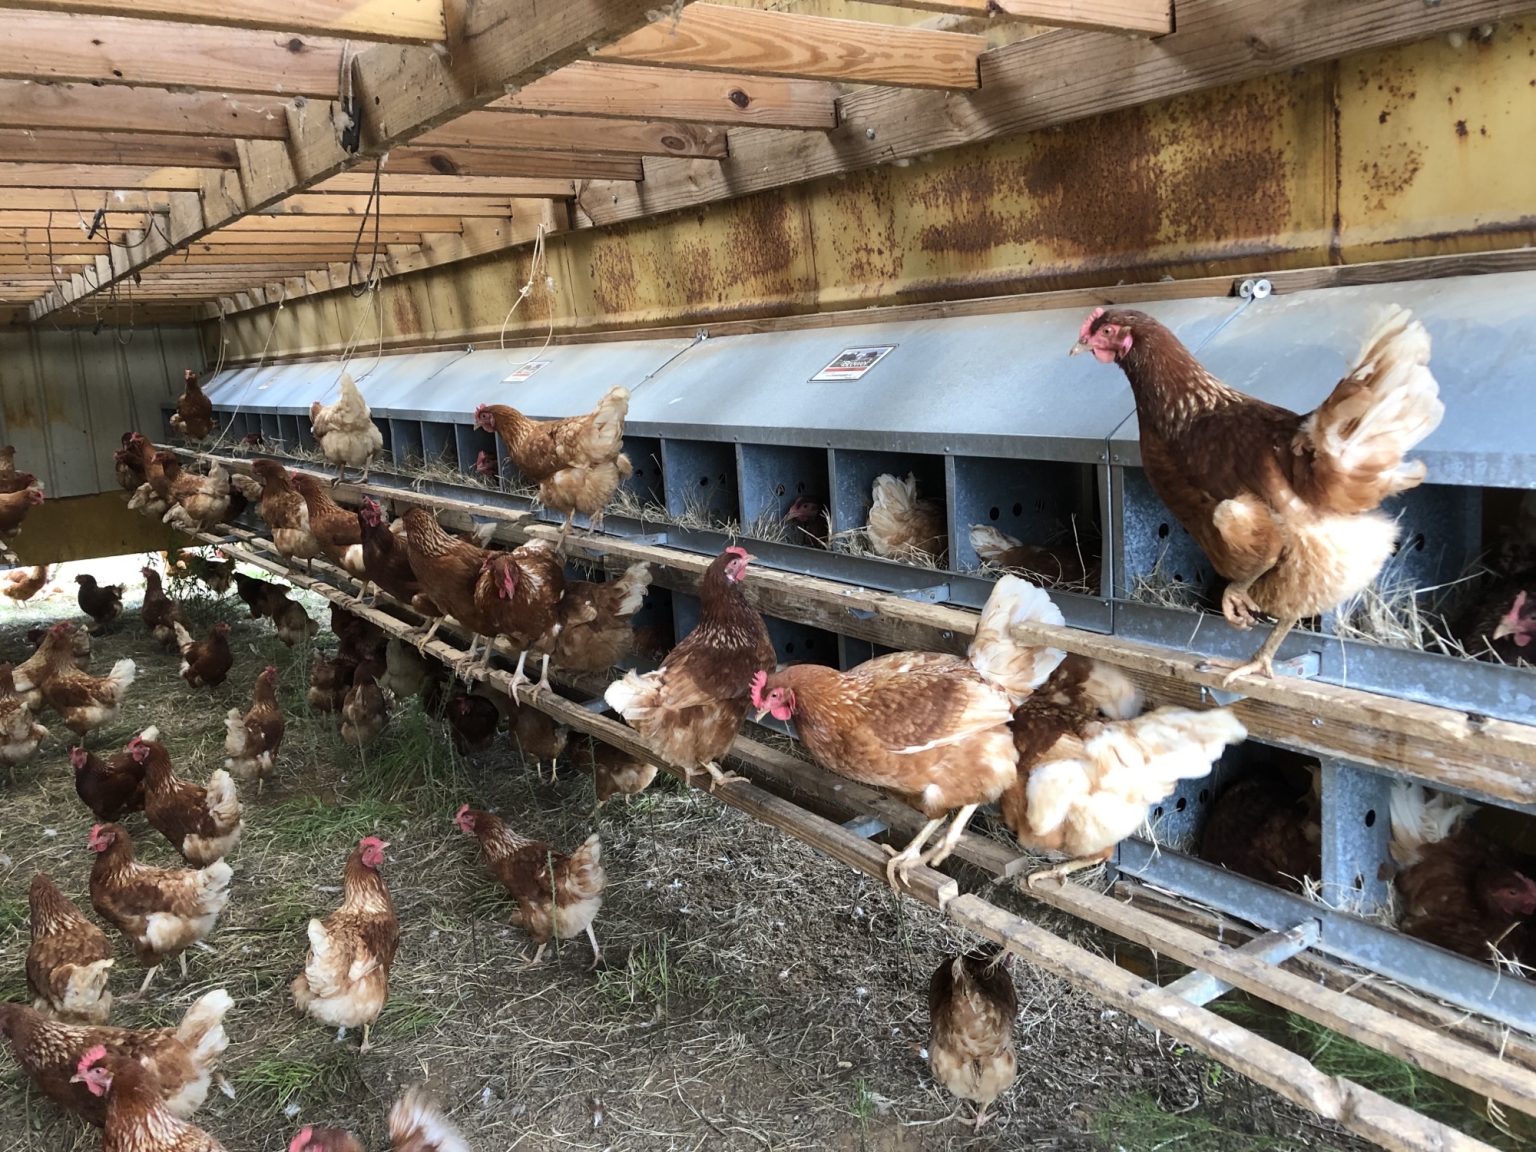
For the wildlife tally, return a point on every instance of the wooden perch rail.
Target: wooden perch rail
(1441, 746)
(1354, 1107)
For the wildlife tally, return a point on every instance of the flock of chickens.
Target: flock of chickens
(1063, 745)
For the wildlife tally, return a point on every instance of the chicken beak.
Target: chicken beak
(761, 712)
(1504, 629)
(1076, 348)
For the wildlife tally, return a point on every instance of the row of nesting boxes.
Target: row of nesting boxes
(999, 424)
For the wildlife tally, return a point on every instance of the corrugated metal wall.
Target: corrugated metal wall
(1415, 152)
(67, 397)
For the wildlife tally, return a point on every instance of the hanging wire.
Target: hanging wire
(256, 368)
(374, 208)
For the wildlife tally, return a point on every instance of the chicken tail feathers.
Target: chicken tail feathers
(223, 798)
(635, 581)
(1145, 758)
(202, 1028)
(85, 991)
(988, 543)
(1420, 819)
(1388, 403)
(121, 677)
(183, 637)
(635, 697)
(416, 1121)
(999, 654)
(236, 735)
(1112, 692)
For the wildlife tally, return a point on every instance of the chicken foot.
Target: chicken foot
(1238, 607)
(1263, 662)
(900, 865)
(421, 645)
(717, 775)
(148, 976)
(940, 852)
(597, 953)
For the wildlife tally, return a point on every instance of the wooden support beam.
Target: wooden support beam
(396, 184)
(83, 201)
(521, 163)
(342, 225)
(66, 218)
(152, 149)
(113, 50)
(1057, 78)
(635, 92)
(716, 38)
(330, 204)
(419, 21)
(1138, 17)
(88, 107)
(525, 130)
(103, 176)
(492, 46)
(229, 240)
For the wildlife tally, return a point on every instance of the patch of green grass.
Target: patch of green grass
(281, 1080)
(412, 756)
(309, 824)
(407, 1018)
(14, 916)
(653, 981)
(863, 1103)
(1138, 1123)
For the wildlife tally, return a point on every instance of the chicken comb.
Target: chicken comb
(1087, 328)
(738, 550)
(91, 1057)
(759, 682)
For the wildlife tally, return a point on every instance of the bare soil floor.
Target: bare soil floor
(754, 995)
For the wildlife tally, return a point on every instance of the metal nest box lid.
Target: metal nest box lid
(1292, 349)
(998, 385)
(561, 380)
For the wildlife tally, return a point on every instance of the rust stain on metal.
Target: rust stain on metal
(402, 310)
(614, 280)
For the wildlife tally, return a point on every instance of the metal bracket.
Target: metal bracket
(866, 827)
(933, 594)
(1274, 948)
(597, 705)
(1306, 666)
(352, 130)
(1255, 289)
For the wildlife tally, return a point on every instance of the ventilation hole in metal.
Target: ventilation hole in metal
(703, 481)
(1418, 542)
(810, 645)
(778, 489)
(1158, 811)
(1359, 882)
(1181, 805)
(993, 513)
(1178, 577)
(1370, 818)
(1205, 796)
(800, 487)
(1162, 531)
(1018, 509)
(789, 649)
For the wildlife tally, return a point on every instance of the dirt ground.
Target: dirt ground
(755, 995)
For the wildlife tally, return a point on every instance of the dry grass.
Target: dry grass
(855, 542)
(755, 994)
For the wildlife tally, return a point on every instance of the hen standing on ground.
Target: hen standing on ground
(578, 463)
(206, 662)
(21, 584)
(560, 910)
(83, 702)
(69, 959)
(194, 411)
(691, 708)
(137, 1119)
(1284, 506)
(252, 740)
(161, 911)
(203, 824)
(345, 430)
(159, 612)
(345, 981)
(971, 1007)
(102, 604)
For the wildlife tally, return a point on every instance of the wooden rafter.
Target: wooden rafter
(144, 149)
(399, 20)
(341, 225)
(632, 92)
(402, 90)
(1138, 17)
(498, 129)
(331, 204)
(86, 107)
(113, 50)
(481, 162)
(85, 200)
(227, 240)
(102, 176)
(1057, 78)
(397, 184)
(716, 38)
